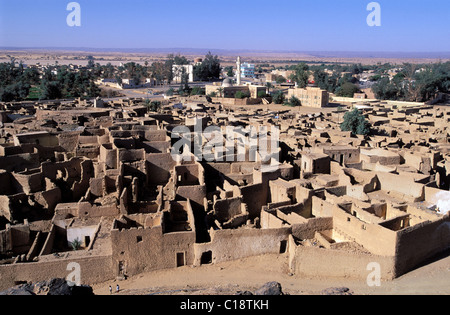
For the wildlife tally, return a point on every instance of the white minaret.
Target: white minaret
(238, 72)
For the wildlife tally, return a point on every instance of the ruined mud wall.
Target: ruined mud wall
(143, 250)
(88, 210)
(159, 167)
(321, 208)
(227, 245)
(28, 182)
(270, 221)
(319, 262)
(375, 238)
(255, 197)
(6, 187)
(226, 209)
(394, 183)
(422, 241)
(196, 194)
(307, 230)
(92, 270)
(19, 162)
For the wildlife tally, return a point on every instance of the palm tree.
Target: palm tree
(268, 86)
(220, 91)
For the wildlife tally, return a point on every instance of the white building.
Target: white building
(247, 70)
(179, 70)
(133, 84)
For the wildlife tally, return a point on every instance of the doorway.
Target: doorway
(206, 258)
(87, 241)
(283, 247)
(181, 261)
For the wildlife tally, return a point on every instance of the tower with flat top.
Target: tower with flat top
(238, 72)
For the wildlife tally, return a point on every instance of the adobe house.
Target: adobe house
(42, 138)
(145, 242)
(27, 195)
(315, 163)
(229, 213)
(383, 157)
(341, 239)
(342, 154)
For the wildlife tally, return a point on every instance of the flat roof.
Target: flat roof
(34, 133)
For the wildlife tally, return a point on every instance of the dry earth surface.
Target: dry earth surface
(44, 56)
(250, 274)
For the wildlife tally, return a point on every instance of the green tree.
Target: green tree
(268, 86)
(280, 79)
(278, 97)
(198, 91)
(50, 90)
(384, 89)
(167, 70)
(31, 76)
(375, 78)
(14, 92)
(170, 92)
(262, 94)
(152, 106)
(321, 79)
(180, 60)
(184, 80)
(301, 75)
(159, 72)
(355, 122)
(241, 95)
(347, 90)
(91, 62)
(209, 69)
(294, 101)
(229, 70)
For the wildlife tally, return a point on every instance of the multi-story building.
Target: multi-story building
(247, 70)
(180, 70)
(311, 96)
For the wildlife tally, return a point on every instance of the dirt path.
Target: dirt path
(251, 273)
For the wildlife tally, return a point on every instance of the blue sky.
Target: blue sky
(314, 25)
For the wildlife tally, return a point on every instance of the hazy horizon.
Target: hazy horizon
(226, 52)
(407, 26)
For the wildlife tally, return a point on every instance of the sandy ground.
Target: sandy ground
(65, 57)
(251, 273)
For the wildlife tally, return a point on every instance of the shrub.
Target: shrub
(278, 97)
(75, 244)
(262, 94)
(355, 122)
(241, 95)
(294, 101)
(170, 92)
